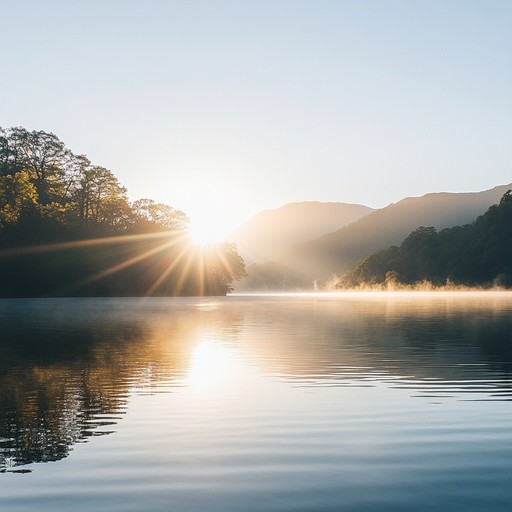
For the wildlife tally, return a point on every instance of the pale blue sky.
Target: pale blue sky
(230, 107)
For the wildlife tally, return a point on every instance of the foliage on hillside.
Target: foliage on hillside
(477, 254)
(319, 259)
(68, 228)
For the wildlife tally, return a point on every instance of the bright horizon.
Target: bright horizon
(223, 109)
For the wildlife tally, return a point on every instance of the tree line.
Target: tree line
(67, 227)
(477, 254)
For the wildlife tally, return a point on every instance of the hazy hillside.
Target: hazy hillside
(320, 259)
(476, 254)
(270, 232)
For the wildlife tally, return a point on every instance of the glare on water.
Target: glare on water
(370, 401)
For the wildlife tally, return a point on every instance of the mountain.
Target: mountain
(270, 232)
(321, 259)
(477, 254)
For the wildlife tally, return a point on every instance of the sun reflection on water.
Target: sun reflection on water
(213, 367)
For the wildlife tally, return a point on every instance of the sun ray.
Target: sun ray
(200, 271)
(198, 258)
(223, 260)
(184, 274)
(36, 249)
(167, 271)
(133, 260)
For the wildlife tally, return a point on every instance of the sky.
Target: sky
(225, 108)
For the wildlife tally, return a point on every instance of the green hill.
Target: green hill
(67, 228)
(476, 254)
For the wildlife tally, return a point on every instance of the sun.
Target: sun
(206, 232)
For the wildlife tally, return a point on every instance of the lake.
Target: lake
(354, 402)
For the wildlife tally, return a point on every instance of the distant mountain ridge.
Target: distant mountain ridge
(270, 232)
(476, 254)
(316, 261)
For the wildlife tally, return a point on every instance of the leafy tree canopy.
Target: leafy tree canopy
(49, 195)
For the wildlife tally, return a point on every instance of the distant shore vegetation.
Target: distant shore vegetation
(67, 228)
(476, 255)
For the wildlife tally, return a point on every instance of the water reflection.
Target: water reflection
(211, 366)
(68, 367)
(432, 344)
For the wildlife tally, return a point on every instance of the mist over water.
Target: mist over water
(353, 401)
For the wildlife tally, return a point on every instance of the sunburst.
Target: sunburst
(194, 263)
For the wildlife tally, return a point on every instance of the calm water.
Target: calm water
(292, 403)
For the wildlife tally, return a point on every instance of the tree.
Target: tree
(164, 216)
(99, 197)
(44, 156)
(11, 160)
(17, 196)
(224, 265)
